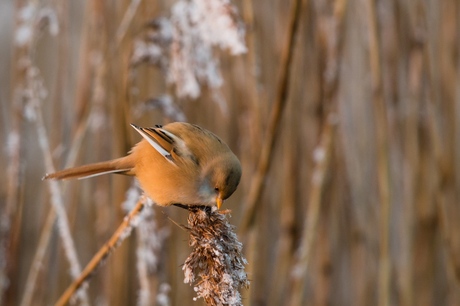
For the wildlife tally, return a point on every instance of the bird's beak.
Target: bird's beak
(219, 201)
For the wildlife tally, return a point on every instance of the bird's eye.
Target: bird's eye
(216, 188)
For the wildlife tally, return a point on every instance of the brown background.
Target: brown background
(364, 158)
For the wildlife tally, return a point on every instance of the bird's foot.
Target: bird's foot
(194, 207)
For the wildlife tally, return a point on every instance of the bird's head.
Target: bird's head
(222, 177)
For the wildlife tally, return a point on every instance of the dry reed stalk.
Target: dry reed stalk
(58, 205)
(441, 158)
(75, 146)
(285, 243)
(126, 21)
(216, 258)
(145, 293)
(383, 179)
(85, 69)
(122, 232)
(330, 36)
(429, 211)
(253, 123)
(268, 144)
(456, 260)
(150, 242)
(411, 148)
(37, 262)
(302, 260)
(254, 126)
(31, 92)
(13, 153)
(45, 235)
(63, 61)
(449, 245)
(8, 210)
(99, 107)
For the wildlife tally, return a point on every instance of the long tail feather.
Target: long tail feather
(120, 166)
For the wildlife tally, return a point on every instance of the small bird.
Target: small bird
(179, 163)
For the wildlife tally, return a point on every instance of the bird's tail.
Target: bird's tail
(122, 165)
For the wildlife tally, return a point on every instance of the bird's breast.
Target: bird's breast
(167, 183)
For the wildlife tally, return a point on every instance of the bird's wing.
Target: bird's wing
(166, 143)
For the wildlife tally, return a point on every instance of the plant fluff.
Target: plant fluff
(216, 259)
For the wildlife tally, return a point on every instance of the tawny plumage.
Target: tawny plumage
(179, 163)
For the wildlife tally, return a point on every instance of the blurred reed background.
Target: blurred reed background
(345, 115)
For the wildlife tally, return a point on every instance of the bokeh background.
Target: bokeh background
(345, 115)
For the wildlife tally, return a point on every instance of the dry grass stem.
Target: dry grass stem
(216, 258)
(258, 179)
(45, 235)
(29, 95)
(122, 232)
(381, 127)
(126, 21)
(58, 205)
(303, 257)
(37, 262)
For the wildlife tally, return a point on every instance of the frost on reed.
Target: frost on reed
(149, 245)
(184, 44)
(216, 259)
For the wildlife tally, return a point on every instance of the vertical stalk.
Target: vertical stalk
(309, 233)
(257, 183)
(383, 179)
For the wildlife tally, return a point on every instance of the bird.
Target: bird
(179, 164)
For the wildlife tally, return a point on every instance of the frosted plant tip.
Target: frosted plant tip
(216, 264)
